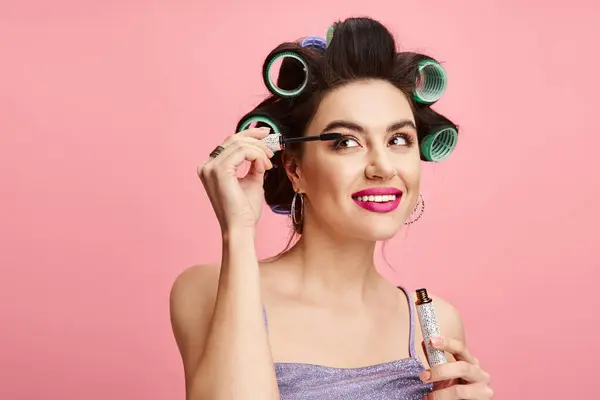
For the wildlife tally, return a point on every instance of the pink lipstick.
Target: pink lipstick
(379, 199)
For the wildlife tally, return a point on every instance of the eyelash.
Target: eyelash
(407, 138)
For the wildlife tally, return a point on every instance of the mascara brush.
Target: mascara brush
(277, 142)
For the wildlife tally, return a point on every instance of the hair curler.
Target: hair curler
(439, 144)
(329, 35)
(316, 42)
(431, 82)
(272, 85)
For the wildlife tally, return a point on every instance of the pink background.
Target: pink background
(107, 107)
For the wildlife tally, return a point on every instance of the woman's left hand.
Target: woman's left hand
(460, 380)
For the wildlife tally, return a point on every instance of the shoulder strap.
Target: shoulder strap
(265, 317)
(411, 312)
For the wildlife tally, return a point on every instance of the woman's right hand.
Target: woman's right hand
(237, 202)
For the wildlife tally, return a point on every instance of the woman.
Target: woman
(318, 321)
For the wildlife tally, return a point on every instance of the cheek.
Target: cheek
(330, 181)
(410, 172)
(321, 181)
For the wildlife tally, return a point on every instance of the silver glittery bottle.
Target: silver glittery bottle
(274, 142)
(429, 327)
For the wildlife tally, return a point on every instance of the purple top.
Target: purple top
(397, 379)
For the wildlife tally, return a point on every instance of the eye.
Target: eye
(346, 142)
(402, 139)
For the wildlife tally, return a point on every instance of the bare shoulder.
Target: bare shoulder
(191, 306)
(448, 317)
(205, 276)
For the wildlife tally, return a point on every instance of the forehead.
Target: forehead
(371, 104)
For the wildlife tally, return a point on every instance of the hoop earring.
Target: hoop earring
(294, 217)
(419, 210)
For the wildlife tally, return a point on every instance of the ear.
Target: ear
(293, 171)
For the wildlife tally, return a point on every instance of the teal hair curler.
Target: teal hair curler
(245, 124)
(272, 86)
(431, 82)
(273, 140)
(438, 145)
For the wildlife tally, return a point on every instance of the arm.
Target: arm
(218, 324)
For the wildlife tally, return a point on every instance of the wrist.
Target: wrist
(239, 251)
(238, 235)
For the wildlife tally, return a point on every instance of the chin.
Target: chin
(367, 226)
(376, 221)
(382, 235)
(377, 231)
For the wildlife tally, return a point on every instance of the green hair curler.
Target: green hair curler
(272, 86)
(274, 140)
(438, 146)
(329, 35)
(431, 82)
(258, 118)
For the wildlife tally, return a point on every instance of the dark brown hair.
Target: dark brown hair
(361, 48)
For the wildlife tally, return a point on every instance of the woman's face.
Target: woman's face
(366, 184)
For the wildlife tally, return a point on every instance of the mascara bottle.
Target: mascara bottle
(429, 327)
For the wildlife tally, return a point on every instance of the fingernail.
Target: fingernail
(436, 341)
(425, 375)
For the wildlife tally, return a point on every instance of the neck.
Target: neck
(330, 267)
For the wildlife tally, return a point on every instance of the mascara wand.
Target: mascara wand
(277, 142)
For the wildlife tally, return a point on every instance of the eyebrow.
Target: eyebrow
(405, 123)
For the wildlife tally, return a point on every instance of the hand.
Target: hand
(237, 202)
(460, 380)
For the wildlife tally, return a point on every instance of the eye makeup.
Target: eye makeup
(408, 139)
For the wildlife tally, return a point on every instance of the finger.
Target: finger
(212, 163)
(256, 133)
(259, 143)
(236, 156)
(454, 347)
(424, 347)
(457, 370)
(259, 168)
(231, 145)
(237, 144)
(474, 391)
(224, 163)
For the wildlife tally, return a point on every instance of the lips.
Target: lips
(380, 200)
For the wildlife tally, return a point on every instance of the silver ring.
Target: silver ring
(216, 151)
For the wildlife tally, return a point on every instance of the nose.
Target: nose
(380, 166)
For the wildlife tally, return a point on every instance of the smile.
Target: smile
(380, 200)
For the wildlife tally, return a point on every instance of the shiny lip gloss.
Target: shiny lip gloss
(429, 327)
(378, 206)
